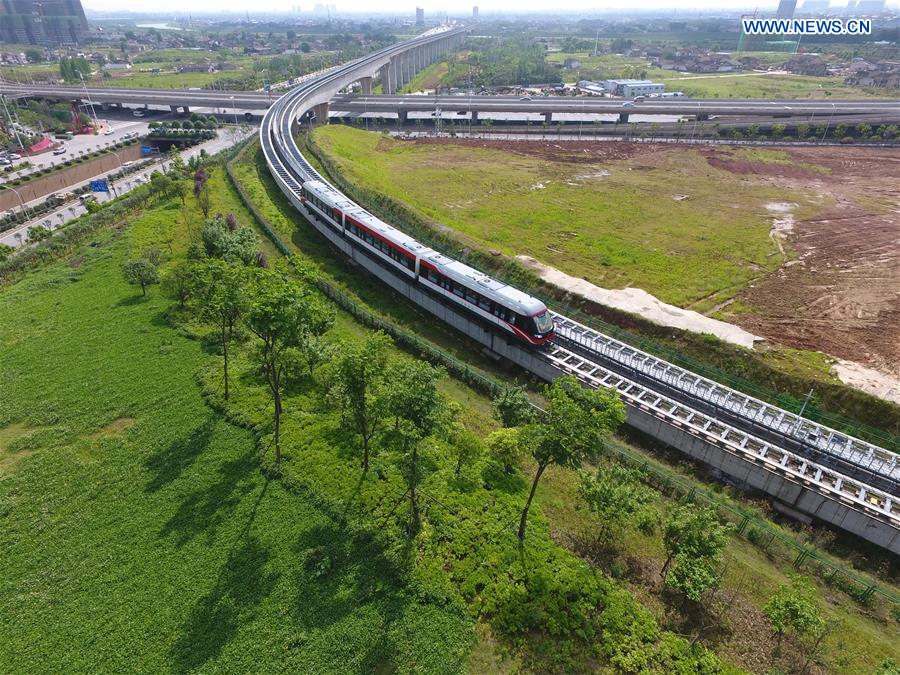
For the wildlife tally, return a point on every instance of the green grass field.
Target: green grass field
(652, 222)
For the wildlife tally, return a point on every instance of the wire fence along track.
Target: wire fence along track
(288, 165)
(775, 543)
(813, 438)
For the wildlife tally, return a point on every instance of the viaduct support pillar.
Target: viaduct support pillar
(623, 118)
(474, 117)
(321, 111)
(173, 108)
(365, 86)
(187, 110)
(548, 117)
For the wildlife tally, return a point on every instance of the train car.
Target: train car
(504, 307)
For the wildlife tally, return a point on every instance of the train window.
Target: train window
(484, 303)
(458, 290)
(471, 296)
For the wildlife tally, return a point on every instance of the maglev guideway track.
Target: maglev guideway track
(864, 460)
(767, 444)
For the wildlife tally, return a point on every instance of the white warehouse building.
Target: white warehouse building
(632, 88)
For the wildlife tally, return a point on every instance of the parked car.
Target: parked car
(4, 161)
(15, 156)
(137, 113)
(109, 131)
(61, 150)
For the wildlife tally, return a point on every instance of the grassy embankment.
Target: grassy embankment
(751, 577)
(653, 221)
(716, 85)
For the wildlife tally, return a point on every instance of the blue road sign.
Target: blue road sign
(100, 185)
(146, 150)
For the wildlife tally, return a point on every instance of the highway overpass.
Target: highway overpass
(548, 106)
(398, 71)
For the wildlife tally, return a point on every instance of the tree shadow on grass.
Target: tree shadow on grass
(132, 300)
(168, 463)
(341, 572)
(205, 509)
(241, 586)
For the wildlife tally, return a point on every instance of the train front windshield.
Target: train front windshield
(544, 322)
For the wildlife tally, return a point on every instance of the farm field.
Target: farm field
(704, 229)
(741, 84)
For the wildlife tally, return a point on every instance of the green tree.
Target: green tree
(802, 130)
(178, 282)
(864, 129)
(358, 388)
(615, 495)
(140, 272)
(506, 447)
(793, 608)
(573, 429)
(466, 447)
(840, 130)
(512, 408)
(235, 246)
(778, 130)
(38, 233)
(5, 252)
(695, 541)
(418, 411)
(282, 314)
(221, 300)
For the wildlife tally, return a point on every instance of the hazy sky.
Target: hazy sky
(452, 6)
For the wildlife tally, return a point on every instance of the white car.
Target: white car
(14, 156)
(138, 113)
(109, 131)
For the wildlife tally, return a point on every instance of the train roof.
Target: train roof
(496, 290)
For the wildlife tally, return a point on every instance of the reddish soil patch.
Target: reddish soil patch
(717, 160)
(842, 294)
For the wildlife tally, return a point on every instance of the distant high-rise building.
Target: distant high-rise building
(869, 7)
(420, 16)
(475, 12)
(42, 22)
(815, 6)
(786, 9)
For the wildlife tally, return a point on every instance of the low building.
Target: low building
(632, 88)
(591, 88)
(572, 64)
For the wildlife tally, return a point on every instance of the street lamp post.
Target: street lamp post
(234, 110)
(830, 117)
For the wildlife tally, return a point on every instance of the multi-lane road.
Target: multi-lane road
(879, 110)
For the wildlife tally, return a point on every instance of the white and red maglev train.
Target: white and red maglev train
(504, 307)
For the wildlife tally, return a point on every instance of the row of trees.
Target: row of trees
(73, 69)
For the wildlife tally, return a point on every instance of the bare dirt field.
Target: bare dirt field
(840, 292)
